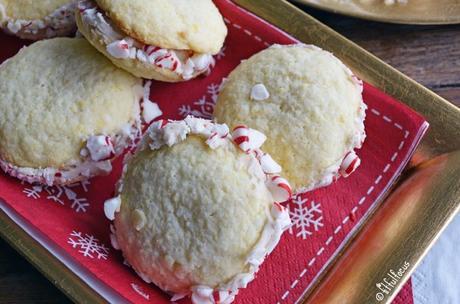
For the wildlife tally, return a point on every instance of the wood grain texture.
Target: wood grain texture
(21, 283)
(428, 54)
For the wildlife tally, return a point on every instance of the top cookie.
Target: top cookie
(30, 9)
(306, 101)
(177, 24)
(54, 95)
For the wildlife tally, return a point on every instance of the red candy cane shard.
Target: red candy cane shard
(100, 148)
(280, 189)
(279, 207)
(248, 139)
(349, 164)
(241, 137)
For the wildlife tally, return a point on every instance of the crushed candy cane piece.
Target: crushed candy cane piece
(269, 165)
(259, 92)
(280, 188)
(202, 295)
(256, 139)
(248, 139)
(111, 206)
(175, 132)
(201, 61)
(119, 49)
(349, 164)
(281, 215)
(150, 109)
(241, 137)
(100, 147)
(226, 297)
(215, 140)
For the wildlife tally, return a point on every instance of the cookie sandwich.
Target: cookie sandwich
(66, 111)
(35, 20)
(307, 102)
(197, 209)
(169, 41)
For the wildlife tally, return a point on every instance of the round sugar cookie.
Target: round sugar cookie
(35, 20)
(307, 102)
(140, 59)
(178, 24)
(195, 214)
(65, 111)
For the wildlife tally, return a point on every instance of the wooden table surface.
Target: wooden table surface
(428, 54)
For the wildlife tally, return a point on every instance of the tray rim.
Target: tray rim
(79, 291)
(373, 17)
(46, 263)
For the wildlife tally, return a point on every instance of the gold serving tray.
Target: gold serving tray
(413, 12)
(400, 244)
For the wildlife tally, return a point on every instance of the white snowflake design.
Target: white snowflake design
(306, 219)
(89, 245)
(204, 107)
(140, 291)
(60, 194)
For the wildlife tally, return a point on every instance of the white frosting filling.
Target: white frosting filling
(169, 133)
(183, 62)
(259, 92)
(62, 19)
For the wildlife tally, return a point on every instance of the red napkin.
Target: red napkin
(69, 220)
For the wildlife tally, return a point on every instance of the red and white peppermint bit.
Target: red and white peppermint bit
(100, 147)
(218, 137)
(240, 136)
(168, 61)
(349, 164)
(162, 58)
(119, 49)
(215, 140)
(279, 208)
(248, 139)
(226, 297)
(280, 188)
